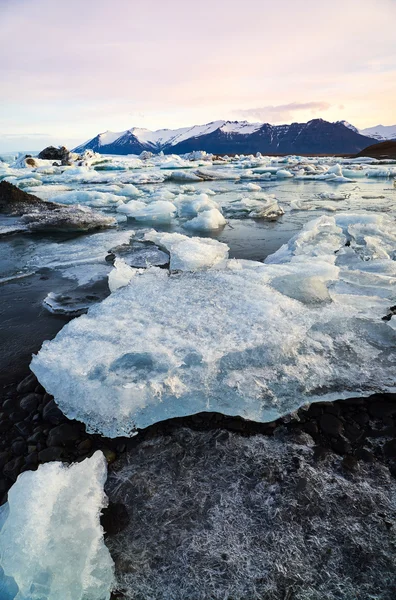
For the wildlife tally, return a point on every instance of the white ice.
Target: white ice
(253, 339)
(51, 540)
(189, 254)
(160, 211)
(206, 221)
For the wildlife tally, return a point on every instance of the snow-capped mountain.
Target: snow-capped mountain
(228, 137)
(380, 132)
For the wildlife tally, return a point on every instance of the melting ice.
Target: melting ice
(51, 540)
(252, 339)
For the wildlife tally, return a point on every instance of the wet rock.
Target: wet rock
(23, 428)
(340, 445)
(10, 405)
(390, 448)
(50, 454)
(30, 402)
(32, 459)
(27, 385)
(114, 518)
(5, 425)
(52, 153)
(36, 437)
(64, 435)
(4, 458)
(41, 215)
(84, 447)
(382, 409)
(17, 415)
(52, 413)
(350, 463)
(365, 454)
(320, 453)
(109, 454)
(19, 448)
(311, 427)
(3, 487)
(331, 424)
(13, 468)
(361, 418)
(353, 432)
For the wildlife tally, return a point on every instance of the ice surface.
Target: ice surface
(189, 254)
(258, 207)
(89, 198)
(51, 541)
(253, 339)
(206, 221)
(248, 518)
(160, 211)
(121, 275)
(81, 259)
(189, 206)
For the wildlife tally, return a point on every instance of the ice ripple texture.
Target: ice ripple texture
(250, 339)
(51, 541)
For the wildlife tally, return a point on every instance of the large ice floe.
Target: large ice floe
(250, 339)
(51, 540)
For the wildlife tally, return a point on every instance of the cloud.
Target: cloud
(283, 112)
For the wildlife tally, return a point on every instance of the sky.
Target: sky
(70, 70)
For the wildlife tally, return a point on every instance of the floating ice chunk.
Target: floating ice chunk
(160, 211)
(82, 259)
(206, 221)
(301, 205)
(264, 208)
(332, 196)
(72, 303)
(283, 174)
(51, 542)
(336, 169)
(90, 198)
(121, 275)
(189, 254)
(191, 206)
(253, 187)
(217, 174)
(380, 172)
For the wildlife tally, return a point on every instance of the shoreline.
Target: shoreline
(35, 431)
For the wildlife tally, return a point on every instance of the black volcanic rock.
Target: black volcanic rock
(52, 153)
(40, 215)
(315, 137)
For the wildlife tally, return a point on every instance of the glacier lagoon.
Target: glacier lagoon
(330, 286)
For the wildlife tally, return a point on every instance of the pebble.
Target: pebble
(13, 468)
(52, 413)
(64, 435)
(50, 454)
(331, 424)
(27, 385)
(30, 402)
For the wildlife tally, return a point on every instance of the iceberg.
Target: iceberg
(250, 339)
(189, 254)
(206, 220)
(51, 540)
(160, 211)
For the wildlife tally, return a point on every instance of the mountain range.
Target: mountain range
(240, 137)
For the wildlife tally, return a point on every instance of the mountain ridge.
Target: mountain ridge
(221, 137)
